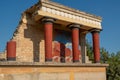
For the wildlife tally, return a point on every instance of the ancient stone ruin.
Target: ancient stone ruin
(50, 44)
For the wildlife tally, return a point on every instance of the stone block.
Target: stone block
(90, 76)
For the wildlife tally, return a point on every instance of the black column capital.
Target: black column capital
(48, 20)
(71, 26)
(95, 30)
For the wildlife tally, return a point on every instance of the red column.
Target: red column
(96, 46)
(11, 51)
(75, 42)
(48, 29)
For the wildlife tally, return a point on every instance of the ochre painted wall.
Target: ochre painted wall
(52, 73)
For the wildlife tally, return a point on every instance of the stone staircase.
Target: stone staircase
(2, 56)
(87, 60)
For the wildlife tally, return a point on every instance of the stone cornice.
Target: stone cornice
(66, 9)
(37, 64)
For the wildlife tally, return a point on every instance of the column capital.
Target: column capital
(95, 30)
(71, 26)
(48, 20)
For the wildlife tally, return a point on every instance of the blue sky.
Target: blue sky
(109, 10)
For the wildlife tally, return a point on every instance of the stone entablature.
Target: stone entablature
(66, 16)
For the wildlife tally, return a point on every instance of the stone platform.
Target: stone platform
(51, 71)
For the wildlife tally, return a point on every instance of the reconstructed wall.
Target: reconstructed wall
(63, 73)
(29, 38)
(52, 72)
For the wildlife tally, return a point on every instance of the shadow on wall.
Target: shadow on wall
(62, 45)
(35, 33)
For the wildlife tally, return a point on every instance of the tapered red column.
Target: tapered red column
(75, 42)
(96, 45)
(11, 51)
(48, 30)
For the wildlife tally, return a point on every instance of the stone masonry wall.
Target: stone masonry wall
(29, 37)
(56, 72)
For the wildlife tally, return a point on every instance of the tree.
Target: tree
(104, 55)
(90, 51)
(113, 71)
(113, 59)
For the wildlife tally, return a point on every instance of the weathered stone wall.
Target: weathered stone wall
(29, 38)
(28, 42)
